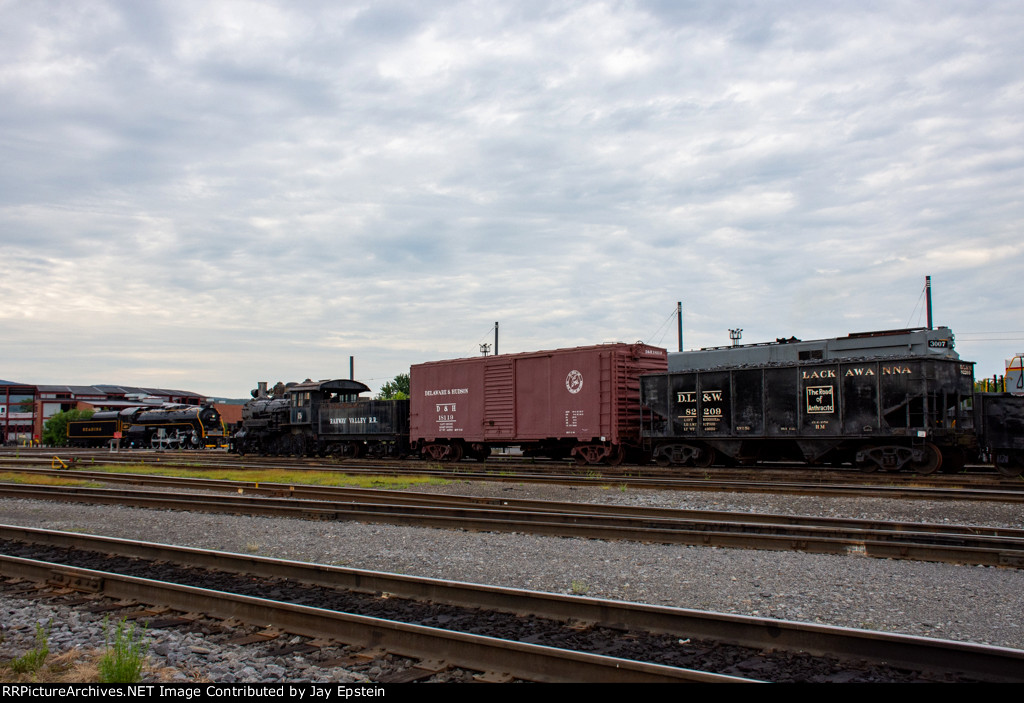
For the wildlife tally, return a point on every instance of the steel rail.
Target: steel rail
(919, 653)
(390, 497)
(894, 544)
(526, 661)
(738, 485)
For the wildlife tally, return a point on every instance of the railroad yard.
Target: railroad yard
(849, 588)
(354, 345)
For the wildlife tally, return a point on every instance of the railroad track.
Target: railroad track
(941, 488)
(896, 540)
(975, 474)
(532, 624)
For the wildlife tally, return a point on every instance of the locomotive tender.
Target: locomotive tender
(894, 400)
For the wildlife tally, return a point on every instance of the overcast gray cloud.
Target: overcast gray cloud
(203, 195)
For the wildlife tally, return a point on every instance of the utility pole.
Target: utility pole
(679, 322)
(928, 298)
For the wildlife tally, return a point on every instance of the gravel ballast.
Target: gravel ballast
(967, 603)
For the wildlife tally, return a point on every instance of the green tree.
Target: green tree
(55, 430)
(988, 385)
(397, 389)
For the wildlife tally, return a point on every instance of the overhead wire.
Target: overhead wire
(657, 342)
(918, 303)
(489, 333)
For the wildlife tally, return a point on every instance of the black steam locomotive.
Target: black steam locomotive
(323, 418)
(177, 427)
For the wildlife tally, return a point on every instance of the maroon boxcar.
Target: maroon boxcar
(582, 402)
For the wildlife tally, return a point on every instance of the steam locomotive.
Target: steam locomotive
(178, 427)
(322, 418)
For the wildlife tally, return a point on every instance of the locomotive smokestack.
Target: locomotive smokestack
(261, 389)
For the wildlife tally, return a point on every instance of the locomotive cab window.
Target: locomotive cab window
(339, 397)
(300, 399)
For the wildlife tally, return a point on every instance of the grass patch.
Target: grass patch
(73, 666)
(122, 662)
(33, 660)
(37, 480)
(579, 588)
(126, 653)
(298, 478)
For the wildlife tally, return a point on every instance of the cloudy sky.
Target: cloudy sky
(202, 195)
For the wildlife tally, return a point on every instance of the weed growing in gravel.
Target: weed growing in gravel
(125, 655)
(32, 660)
(579, 588)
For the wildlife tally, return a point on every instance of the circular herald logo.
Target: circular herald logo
(574, 381)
